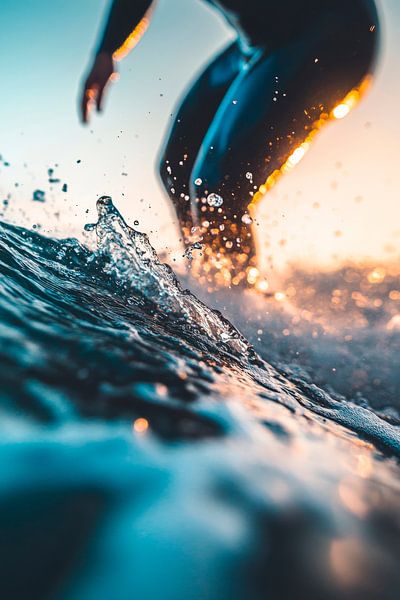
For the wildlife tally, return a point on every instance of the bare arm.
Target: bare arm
(126, 23)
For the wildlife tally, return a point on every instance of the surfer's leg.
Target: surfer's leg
(270, 109)
(191, 123)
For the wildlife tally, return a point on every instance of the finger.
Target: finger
(88, 97)
(84, 108)
(99, 98)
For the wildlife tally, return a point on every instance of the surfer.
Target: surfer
(251, 115)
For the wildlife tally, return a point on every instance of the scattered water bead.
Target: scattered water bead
(136, 223)
(215, 200)
(189, 250)
(39, 196)
(65, 188)
(90, 227)
(198, 181)
(246, 219)
(52, 178)
(249, 175)
(230, 419)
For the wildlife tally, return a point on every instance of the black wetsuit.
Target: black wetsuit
(276, 21)
(271, 22)
(293, 61)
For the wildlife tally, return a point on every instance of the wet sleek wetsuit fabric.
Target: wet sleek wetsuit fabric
(256, 101)
(263, 22)
(123, 17)
(233, 122)
(273, 23)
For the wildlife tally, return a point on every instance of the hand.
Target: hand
(95, 84)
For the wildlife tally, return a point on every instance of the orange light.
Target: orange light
(280, 296)
(377, 275)
(133, 39)
(347, 104)
(297, 155)
(140, 425)
(262, 285)
(341, 111)
(252, 275)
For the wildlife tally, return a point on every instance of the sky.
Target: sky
(340, 203)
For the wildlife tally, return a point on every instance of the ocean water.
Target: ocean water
(149, 449)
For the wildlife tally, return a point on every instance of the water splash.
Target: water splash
(190, 249)
(135, 421)
(135, 265)
(215, 200)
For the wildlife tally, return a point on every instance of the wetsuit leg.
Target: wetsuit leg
(268, 111)
(191, 124)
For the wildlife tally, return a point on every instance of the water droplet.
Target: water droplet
(246, 219)
(105, 206)
(215, 200)
(198, 181)
(39, 196)
(136, 223)
(90, 227)
(195, 246)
